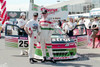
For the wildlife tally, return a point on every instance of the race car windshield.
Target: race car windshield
(58, 31)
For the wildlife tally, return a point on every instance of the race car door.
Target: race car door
(12, 37)
(80, 32)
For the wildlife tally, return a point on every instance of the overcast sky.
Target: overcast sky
(23, 5)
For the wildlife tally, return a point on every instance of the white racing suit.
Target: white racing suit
(47, 28)
(33, 40)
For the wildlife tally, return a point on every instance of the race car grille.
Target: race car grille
(62, 53)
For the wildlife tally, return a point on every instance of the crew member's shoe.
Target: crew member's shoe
(44, 60)
(52, 60)
(26, 52)
(22, 53)
(32, 61)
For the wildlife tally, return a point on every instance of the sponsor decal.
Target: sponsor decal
(35, 7)
(79, 39)
(61, 57)
(23, 42)
(82, 41)
(60, 39)
(71, 43)
(23, 38)
(11, 39)
(49, 10)
(67, 45)
(64, 8)
(13, 14)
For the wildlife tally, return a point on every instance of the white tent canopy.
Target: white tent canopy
(79, 15)
(95, 11)
(70, 2)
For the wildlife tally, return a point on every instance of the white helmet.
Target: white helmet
(22, 14)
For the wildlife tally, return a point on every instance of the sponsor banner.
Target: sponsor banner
(50, 11)
(15, 14)
(54, 13)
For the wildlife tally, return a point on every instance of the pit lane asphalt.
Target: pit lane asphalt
(10, 58)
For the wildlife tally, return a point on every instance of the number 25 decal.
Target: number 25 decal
(23, 43)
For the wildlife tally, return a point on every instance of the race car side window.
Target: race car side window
(79, 30)
(11, 30)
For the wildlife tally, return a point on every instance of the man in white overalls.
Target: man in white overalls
(47, 28)
(32, 30)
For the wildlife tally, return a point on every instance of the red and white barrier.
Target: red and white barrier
(3, 11)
